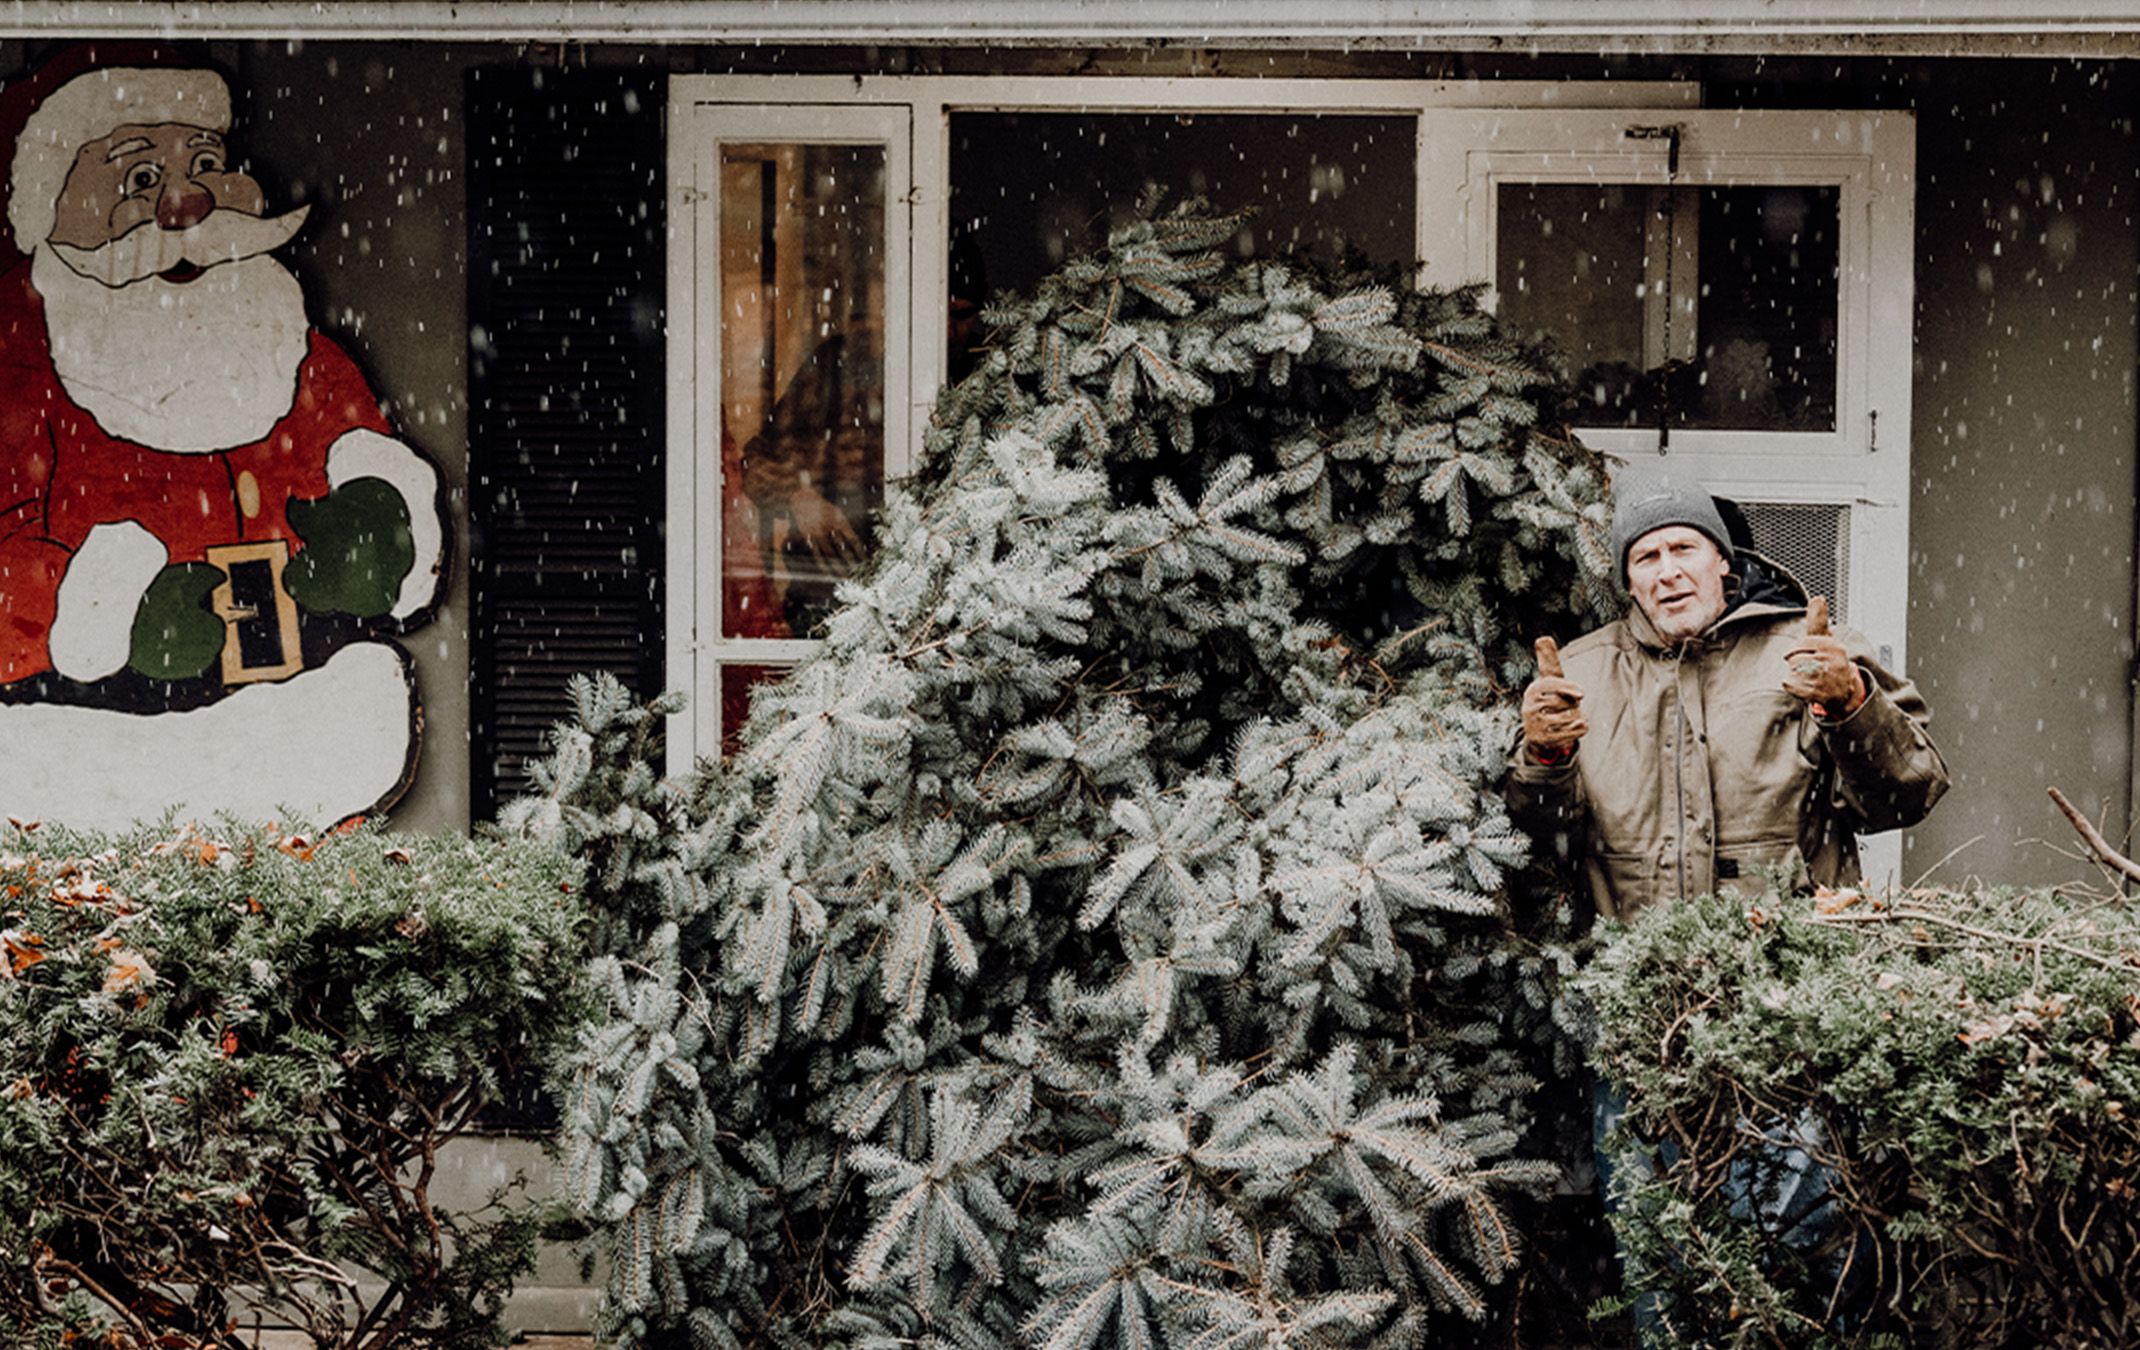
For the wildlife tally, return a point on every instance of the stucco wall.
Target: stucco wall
(371, 136)
(2021, 578)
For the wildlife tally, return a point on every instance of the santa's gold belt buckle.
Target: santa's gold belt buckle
(259, 617)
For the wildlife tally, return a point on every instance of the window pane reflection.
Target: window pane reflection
(737, 681)
(802, 379)
(1707, 308)
(1033, 188)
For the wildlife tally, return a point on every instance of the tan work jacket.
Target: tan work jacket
(1698, 765)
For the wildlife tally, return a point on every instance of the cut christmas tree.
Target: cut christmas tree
(1103, 939)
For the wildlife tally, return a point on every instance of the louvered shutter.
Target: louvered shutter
(565, 278)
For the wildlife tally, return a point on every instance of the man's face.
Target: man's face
(1676, 575)
(170, 174)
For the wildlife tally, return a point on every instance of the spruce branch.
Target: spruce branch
(1105, 781)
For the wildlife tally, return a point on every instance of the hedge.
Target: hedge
(1966, 1063)
(228, 1061)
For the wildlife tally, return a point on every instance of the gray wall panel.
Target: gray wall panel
(2022, 520)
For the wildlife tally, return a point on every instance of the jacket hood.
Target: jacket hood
(1764, 581)
(1764, 587)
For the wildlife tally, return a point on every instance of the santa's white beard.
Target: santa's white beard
(197, 367)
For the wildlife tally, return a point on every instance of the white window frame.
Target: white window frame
(707, 109)
(697, 650)
(1864, 461)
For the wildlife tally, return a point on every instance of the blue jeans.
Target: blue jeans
(1779, 1186)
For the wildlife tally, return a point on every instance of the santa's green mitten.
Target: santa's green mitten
(357, 549)
(176, 636)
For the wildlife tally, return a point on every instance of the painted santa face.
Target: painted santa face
(171, 174)
(161, 201)
(168, 320)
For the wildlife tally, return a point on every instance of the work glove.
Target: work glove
(1821, 671)
(1553, 718)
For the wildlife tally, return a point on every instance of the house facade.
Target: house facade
(664, 293)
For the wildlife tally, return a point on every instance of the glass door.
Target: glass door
(793, 231)
(1731, 292)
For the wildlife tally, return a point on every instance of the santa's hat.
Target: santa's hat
(64, 106)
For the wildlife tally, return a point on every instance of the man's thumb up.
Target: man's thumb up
(1548, 653)
(1816, 618)
(1552, 706)
(1820, 669)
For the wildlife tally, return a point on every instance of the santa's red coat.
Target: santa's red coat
(61, 475)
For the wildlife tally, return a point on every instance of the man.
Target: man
(187, 470)
(1718, 726)
(1715, 727)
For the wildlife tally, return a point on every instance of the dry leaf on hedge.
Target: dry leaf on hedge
(128, 969)
(1828, 901)
(78, 888)
(1986, 1031)
(22, 951)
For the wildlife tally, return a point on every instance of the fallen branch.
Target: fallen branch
(2122, 963)
(2093, 838)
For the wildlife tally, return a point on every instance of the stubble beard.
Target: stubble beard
(1685, 626)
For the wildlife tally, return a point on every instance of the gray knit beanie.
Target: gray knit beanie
(1643, 502)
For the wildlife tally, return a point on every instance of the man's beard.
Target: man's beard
(206, 365)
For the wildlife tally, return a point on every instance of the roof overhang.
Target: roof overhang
(1942, 27)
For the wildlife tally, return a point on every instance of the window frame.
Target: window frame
(704, 110)
(698, 650)
(1864, 462)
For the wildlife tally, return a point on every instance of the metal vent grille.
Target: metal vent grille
(1812, 541)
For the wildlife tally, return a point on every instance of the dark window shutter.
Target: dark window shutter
(565, 293)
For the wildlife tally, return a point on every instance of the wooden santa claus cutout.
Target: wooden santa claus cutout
(208, 531)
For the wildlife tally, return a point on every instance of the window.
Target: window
(812, 264)
(1735, 317)
(1031, 188)
(1732, 293)
(788, 411)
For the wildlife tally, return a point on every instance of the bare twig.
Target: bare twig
(120, 1308)
(2119, 964)
(1949, 856)
(2093, 838)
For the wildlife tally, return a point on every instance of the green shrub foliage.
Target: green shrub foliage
(1101, 940)
(228, 1060)
(1973, 1063)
